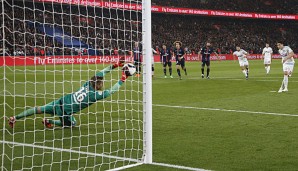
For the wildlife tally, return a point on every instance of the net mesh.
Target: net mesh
(50, 50)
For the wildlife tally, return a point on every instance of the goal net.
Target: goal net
(53, 48)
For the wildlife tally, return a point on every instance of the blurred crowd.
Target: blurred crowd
(223, 33)
(112, 32)
(106, 31)
(261, 6)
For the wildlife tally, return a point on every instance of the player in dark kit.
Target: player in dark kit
(204, 55)
(137, 57)
(165, 56)
(180, 60)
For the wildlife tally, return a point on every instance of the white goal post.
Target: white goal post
(54, 50)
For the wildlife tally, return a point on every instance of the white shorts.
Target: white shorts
(288, 67)
(243, 63)
(267, 60)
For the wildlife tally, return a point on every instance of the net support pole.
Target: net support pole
(147, 80)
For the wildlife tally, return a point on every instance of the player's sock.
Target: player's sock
(55, 122)
(26, 113)
(185, 71)
(202, 71)
(268, 69)
(170, 70)
(244, 72)
(286, 79)
(165, 71)
(178, 71)
(208, 71)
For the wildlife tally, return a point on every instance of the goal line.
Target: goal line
(136, 162)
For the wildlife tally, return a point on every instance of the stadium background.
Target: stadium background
(225, 140)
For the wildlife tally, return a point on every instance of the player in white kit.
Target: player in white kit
(152, 61)
(243, 62)
(288, 62)
(267, 55)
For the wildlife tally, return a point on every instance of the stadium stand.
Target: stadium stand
(28, 35)
(262, 6)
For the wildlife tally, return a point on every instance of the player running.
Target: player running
(72, 103)
(165, 56)
(288, 62)
(267, 55)
(204, 55)
(180, 60)
(243, 62)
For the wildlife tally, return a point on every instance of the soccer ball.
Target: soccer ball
(129, 69)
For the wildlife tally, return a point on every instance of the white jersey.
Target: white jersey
(284, 52)
(267, 51)
(240, 54)
(152, 56)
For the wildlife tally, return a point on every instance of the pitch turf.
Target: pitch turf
(225, 123)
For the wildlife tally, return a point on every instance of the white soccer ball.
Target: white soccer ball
(129, 69)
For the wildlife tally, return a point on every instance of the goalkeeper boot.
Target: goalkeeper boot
(47, 123)
(11, 121)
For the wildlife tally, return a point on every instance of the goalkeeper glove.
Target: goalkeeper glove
(124, 76)
(120, 62)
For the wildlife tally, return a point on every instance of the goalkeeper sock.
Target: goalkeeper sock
(26, 113)
(178, 71)
(56, 122)
(170, 70)
(208, 71)
(165, 71)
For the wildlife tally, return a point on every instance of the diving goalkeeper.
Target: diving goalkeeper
(72, 103)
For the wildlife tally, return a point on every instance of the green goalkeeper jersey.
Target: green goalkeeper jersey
(87, 95)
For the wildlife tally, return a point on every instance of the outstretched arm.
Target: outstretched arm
(108, 69)
(115, 88)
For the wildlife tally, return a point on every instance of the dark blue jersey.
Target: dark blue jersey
(206, 52)
(165, 55)
(178, 53)
(137, 53)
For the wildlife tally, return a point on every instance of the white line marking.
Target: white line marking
(138, 162)
(228, 110)
(191, 107)
(177, 167)
(70, 151)
(126, 167)
(241, 79)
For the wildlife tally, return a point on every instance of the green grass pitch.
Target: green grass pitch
(225, 123)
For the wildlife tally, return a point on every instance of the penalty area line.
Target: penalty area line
(227, 110)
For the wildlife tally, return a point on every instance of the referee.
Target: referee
(204, 55)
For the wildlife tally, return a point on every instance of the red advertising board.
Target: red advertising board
(69, 60)
(176, 10)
